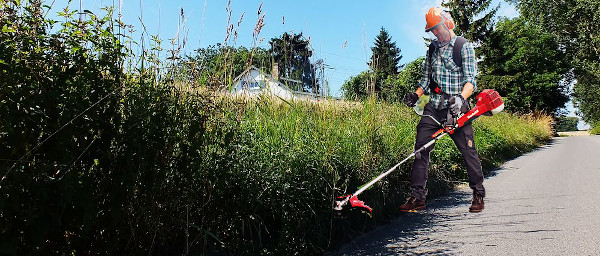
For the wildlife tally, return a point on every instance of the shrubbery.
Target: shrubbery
(595, 129)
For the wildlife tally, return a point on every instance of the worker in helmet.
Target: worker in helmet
(449, 77)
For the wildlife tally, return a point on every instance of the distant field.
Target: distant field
(574, 133)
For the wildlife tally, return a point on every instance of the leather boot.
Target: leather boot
(412, 205)
(477, 203)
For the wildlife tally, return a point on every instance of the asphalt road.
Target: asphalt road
(546, 202)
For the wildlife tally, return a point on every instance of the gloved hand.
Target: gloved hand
(457, 105)
(410, 99)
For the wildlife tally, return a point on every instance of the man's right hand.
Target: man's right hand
(411, 99)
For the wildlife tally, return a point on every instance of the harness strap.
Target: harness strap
(456, 57)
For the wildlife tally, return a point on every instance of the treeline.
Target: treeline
(573, 24)
(216, 66)
(530, 60)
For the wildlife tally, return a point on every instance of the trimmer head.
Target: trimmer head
(354, 202)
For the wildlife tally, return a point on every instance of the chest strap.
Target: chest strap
(456, 57)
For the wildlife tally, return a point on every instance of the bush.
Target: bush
(566, 123)
(595, 129)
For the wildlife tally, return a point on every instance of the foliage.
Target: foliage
(412, 72)
(59, 94)
(386, 55)
(210, 66)
(574, 23)
(595, 129)
(395, 87)
(292, 54)
(586, 91)
(506, 135)
(356, 87)
(382, 81)
(471, 19)
(526, 66)
(566, 123)
(384, 64)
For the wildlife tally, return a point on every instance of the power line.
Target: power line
(346, 68)
(339, 55)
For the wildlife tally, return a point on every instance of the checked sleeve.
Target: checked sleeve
(469, 65)
(424, 83)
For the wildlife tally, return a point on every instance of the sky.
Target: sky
(340, 32)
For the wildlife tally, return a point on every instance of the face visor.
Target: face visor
(440, 35)
(439, 24)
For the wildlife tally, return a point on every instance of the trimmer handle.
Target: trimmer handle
(450, 123)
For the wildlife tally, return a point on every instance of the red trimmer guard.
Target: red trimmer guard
(354, 202)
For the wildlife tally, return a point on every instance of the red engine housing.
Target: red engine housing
(489, 102)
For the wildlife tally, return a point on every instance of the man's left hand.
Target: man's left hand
(457, 105)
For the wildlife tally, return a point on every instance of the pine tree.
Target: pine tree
(464, 13)
(386, 55)
(292, 54)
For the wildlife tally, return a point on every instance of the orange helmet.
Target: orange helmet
(435, 16)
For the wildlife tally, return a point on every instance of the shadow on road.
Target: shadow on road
(409, 234)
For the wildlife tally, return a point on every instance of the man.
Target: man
(448, 82)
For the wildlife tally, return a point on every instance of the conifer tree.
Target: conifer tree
(386, 55)
(472, 19)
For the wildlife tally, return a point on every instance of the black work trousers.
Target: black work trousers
(463, 139)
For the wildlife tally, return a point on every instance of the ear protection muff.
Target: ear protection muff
(449, 22)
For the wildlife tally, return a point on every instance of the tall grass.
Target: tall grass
(293, 158)
(506, 135)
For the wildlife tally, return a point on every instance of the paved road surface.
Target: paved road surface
(546, 202)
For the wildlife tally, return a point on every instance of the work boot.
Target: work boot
(412, 205)
(477, 203)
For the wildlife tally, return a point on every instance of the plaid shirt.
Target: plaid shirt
(447, 74)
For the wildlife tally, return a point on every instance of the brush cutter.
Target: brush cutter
(489, 103)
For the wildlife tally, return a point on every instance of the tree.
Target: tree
(394, 87)
(356, 87)
(209, 66)
(465, 14)
(526, 66)
(566, 123)
(386, 55)
(412, 73)
(292, 54)
(587, 90)
(575, 24)
(383, 63)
